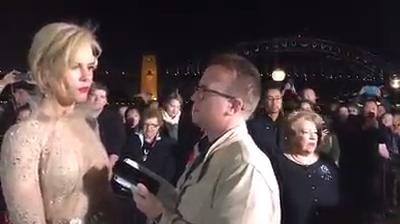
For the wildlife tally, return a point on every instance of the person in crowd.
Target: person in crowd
(266, 129)
(309, 182)
(53, 167)
(342, 113)
(189, 134)
(132, 120)
(153, 149)
(226, 181)
(396, 123)
(289, 91)
(122, 111)
(386, 120)
(309, 94)
(362, 155)
(7, 79)
(353, 109)
(306, 105)
(21, 94)
(381, 110)
(329, 143)
(23, 113)
(333, 108)
(107, 122)
(171, 113)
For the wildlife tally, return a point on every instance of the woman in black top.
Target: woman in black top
(308, 182)
(132, 120)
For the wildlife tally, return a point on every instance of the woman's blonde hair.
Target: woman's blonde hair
(53, 50)
(294, 117)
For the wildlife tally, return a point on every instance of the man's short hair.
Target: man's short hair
(272, 85)
(247, 82)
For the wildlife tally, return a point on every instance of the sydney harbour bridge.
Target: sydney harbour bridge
(334, 69)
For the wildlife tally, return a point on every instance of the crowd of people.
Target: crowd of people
(239, 152)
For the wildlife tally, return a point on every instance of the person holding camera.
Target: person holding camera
(362, 156)
(20, 91)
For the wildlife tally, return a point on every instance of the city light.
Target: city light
(278, 75)
(394, 81)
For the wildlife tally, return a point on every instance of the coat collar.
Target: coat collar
(227, 138)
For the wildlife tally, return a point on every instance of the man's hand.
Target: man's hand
(9, 78)
(324, 134)
(383, 151)
(146, 202)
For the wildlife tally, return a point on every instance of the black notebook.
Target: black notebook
(127, 173)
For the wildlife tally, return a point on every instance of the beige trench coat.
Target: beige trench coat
(234, 184)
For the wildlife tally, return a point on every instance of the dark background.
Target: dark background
(178, 31)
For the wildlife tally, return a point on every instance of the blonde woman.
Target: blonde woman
(171, 114)
(309, 183)
(54, 168)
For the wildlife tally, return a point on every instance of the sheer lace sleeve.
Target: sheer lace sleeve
(19, 170)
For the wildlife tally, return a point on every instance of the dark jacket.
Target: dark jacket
(157, 156)
(112, 131)
(309, 194)
(268, 135)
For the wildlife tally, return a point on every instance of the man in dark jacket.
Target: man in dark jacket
(108, 123)
(266, 128)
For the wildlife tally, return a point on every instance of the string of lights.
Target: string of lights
(369, 67)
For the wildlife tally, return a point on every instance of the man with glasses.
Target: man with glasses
(231, 180)
(266, 128)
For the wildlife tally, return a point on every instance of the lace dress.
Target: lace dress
(56, 171)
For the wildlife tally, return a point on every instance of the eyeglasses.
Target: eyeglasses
(200, 90)
(151, 125)
(274, 98)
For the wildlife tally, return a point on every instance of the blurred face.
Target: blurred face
(273, 101)
(211, 102)
(21, 97)
(122, 110)
(309, 94)
(370, 108)
(343, 113)
(387, 120)
(173, 107)
(381, 110)
(98, 99)
(334, 107)
(306, 106)
(151, 126)
(132, 118)
(80, 73)
(353, 110)
(396, 124)
(306, 137)
(23, 115)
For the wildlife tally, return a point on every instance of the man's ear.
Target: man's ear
(237, 105)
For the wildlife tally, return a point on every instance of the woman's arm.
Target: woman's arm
(19, 167)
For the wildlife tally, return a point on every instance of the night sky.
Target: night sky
(177, 31)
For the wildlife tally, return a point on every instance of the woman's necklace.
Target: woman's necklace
(303, 160)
